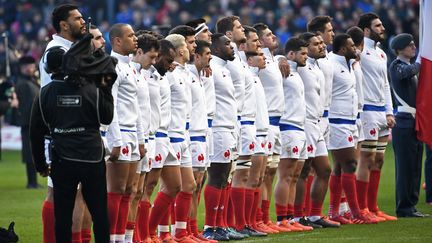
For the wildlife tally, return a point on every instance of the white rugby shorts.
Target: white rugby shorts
(247, 138)
(181, 150)
(342, 135)
(198, 150)
(164, 154)
(293, 145)
(315, 144)
(224, 145)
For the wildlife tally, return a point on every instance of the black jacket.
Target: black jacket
(72, 115)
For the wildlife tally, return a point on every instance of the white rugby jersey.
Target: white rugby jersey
(56, 41)
(326, 67)
(210, 95)
(198, 116)
(126, 109)
(356, 67)
(249, 106)
(344, 102)
(236, 69)
(376, 88)
(165, 103)
(226, 105)
(313, 80)
(179, 81)
(271, 79)
(143, 98)
(295, 104)
(262, 122)
(153, 78)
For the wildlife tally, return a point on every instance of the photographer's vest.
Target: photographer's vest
(72, 115)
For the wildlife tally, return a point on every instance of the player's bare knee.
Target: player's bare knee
(349, 166)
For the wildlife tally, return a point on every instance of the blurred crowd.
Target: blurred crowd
(29, 27)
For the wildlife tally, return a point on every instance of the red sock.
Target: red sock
(182, 205)
(161, 207)
(290, 211)
(212, 196)
(255, 210)
(76, 237)
(114, 200)
(265, 208)
(335, 195)
(362, 191)
(193, 226)
(249, 198)
(307, 198)
(281, 212)
(298, 211)
(316, 209)
(220, 217)
(143, 219)
(123, 215)
(374, 180)
(229, 214)
(238, 199)
(48, 222)
(164, 224)
(137, 233)
(349, 187)
(86, 235)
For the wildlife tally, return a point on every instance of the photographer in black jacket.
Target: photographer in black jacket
(71, 110)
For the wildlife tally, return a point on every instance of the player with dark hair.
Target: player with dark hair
(343, 132)
(377, 116)
(70, 26)
(202, 31)
(313, 77)
(223, 128)
(293, 137)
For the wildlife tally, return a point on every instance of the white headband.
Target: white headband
(200, 28)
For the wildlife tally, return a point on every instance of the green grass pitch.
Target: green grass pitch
(24, 207)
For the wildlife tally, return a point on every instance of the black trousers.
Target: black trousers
(428, 174)
(408, 156)
(66, 175)
(27, 157)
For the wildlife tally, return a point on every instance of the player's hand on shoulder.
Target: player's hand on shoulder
(284, 67)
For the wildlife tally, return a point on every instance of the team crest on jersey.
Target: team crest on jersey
(227, 154)
(158, 158)
(350, 138)
(178, 155)
(262, 145)
(269, 145)
(125, 150)
(251, 146)
(310, 148)
(201, 158)
(295, 150)
(372, 132)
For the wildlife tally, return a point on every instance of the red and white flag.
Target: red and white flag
(424, 90)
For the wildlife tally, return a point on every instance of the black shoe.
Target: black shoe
(211, 234)
(234, 234)
(251, 232)
(306, 222)
(326, 224)
(413, 215)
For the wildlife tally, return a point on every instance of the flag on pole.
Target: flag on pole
(424, 90)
